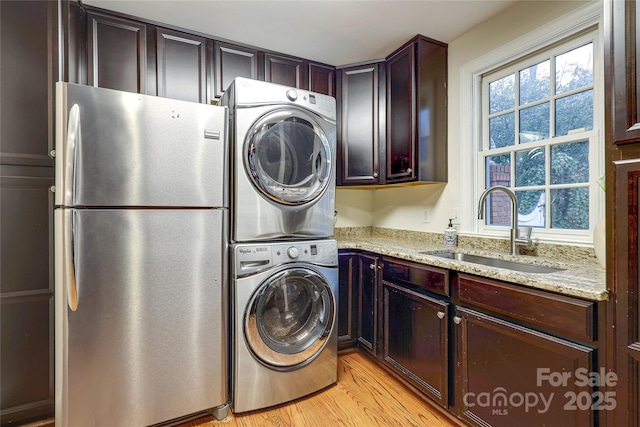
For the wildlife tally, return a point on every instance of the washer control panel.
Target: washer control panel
(252, 257)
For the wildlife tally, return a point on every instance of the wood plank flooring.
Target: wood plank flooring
(365, 395)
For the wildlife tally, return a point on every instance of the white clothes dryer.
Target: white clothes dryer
(283, 323)
(282, 161)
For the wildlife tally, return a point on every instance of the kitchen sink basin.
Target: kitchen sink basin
(496, 262)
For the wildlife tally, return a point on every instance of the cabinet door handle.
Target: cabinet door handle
(409, 170)
(457, 320)
(441, 315)
(372, 266)
(375, 174)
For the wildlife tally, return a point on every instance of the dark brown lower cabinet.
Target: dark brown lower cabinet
(348, 286)
(491, 353)
(510, 375)
(368, 266)
(416, 339)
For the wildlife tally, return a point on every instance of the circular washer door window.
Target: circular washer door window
(289, 319)
(288, 156)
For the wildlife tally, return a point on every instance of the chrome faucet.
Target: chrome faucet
(515, 238)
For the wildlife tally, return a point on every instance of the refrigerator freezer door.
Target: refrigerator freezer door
(147, 341)
(123, 149)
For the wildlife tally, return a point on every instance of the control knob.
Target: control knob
(292, 94)
(292, 252)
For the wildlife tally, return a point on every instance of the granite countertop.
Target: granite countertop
(578, 279)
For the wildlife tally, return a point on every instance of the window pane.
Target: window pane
(502, 130)
(531, 208)
(534, 83)
(497, 205)
(530, 167)
(574, 112)
(574, 69)
(570, 163)
(534, 123)
(502, 94)
(570, 208)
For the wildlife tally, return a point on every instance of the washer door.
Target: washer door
(289, 318)
(288, 157)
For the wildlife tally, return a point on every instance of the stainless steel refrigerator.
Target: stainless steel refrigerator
(141, 258)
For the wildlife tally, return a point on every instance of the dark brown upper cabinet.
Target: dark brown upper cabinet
(27, 82)
(360, 101)
(401, 115)
(393, 127)
(285, 71)
(181, 66)
(623, 70)
(416, 142)
(232, 61)
(322, 79)
(117, 53)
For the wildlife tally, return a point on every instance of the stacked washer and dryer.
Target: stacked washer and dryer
(284, 261)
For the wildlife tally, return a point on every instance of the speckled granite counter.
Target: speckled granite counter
(580, 277)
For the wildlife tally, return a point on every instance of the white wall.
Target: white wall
(402, 208)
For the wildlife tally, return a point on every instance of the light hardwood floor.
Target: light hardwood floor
(365, 395)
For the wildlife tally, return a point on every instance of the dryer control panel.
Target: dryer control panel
(252, 257)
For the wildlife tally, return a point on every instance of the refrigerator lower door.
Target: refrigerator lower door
(147, 340)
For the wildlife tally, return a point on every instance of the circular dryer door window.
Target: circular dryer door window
(288, 156)
(290, 317)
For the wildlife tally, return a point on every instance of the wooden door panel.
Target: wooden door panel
(117, 53)
(499, 362)
(233, 61)
(182, 60)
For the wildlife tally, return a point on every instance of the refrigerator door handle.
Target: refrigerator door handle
(69, 259)
(73, 141)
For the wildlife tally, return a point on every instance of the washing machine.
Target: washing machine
(283, 161)
(284, 328)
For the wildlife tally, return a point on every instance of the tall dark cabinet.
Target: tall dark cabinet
(622, 130)
(28, 70)
(359, 149)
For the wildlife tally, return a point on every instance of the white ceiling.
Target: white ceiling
(335, 32)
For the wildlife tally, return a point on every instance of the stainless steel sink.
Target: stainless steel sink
(496, 262)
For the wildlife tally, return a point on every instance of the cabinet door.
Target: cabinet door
(182, 66)
(416, 339)
(27, 77)
(367, 307)
(233, 61)
(322, 79)
(284, 71)
(506, 372)
(627, 250)
(347, 299)
(431, 111)
(117, 50)
(401, 115)
(622, 65)
(358, 137)
(26, 292)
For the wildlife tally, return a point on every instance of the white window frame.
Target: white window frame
(561, 29)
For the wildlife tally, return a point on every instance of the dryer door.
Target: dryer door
(289, 318)
(288, 156)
